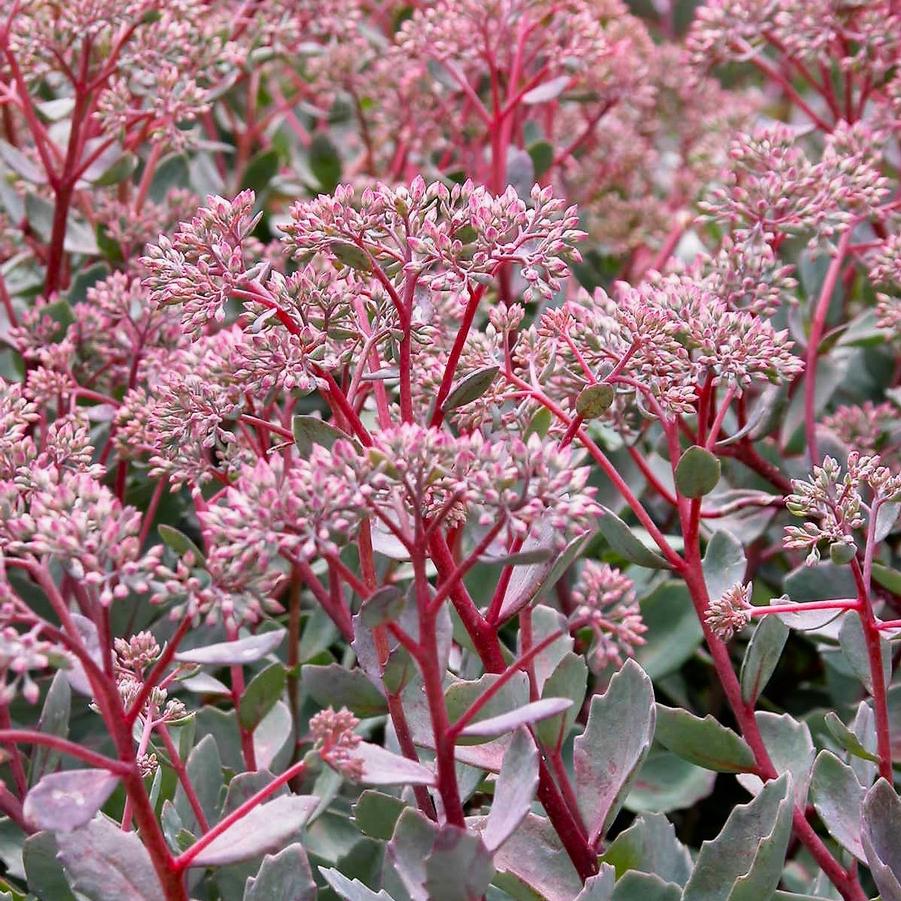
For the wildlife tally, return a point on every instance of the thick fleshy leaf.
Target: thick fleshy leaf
(697, 472)
(382, 606)
(880, 828)
(530, 582)
(595, 400)
(351, 889)
(204, 768)
(284, 875)
(459, 866)
(334, 686)
(522, 716)
(376, 813)
(64, 801)
(411, 844)
(533, 863)
(43, 869)
(382, 767)
(514, 790)
(547, 90)
(310, 430)
(724, 563)
(666, 782)
(233, 653)
(325, 163)
(261, 695)
(762, 656)
(606, 760)
(744, 862)
(623, 541)
(704, 742)
(103, 863)
(461, 694)
(244, 786)
(22, 164)
(180, 543)
(54, 720)
(568, 680)
(471, 387)
(266, 828)
(645, 887)
(673, 630)
(600, 887)
(838, 798)
(854, 646)
(650, 845)
(272, 734)
(847, 739)
(261, 169)
(791, 750)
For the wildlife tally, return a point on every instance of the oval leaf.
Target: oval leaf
(697, 472)
(507, 722)
(266, 828)
(310, 430)
(471, 387)
(232, 653)
(68, 800)
(703, 741)
(622, 540)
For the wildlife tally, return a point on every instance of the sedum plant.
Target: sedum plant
(449, 450)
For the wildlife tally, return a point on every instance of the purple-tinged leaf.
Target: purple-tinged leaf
(382, 767)
(531, 581)
(64, 801)
(522, 716)
(90, 638)
(265, 829)
(880, 828)
(234, 653)
(459, 867)
(838, 798)
(616, 740)
(513, 792)
(547, 90)
(533, 863)
(746, 859)
(103, 863)
(271, 735)
(285, 875)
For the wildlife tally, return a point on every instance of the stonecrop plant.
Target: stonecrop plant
(450, 449)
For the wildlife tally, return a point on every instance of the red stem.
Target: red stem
(183, 861)
(817, 327)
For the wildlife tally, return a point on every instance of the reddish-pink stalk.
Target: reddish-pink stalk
(607, 467)
(875, 660)
(183, 861)
(154, 677)
(454, 357)
(237, 692)
(805, 607)
(187, 785)
(693, 574)
(817, 326)
(64, 746)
